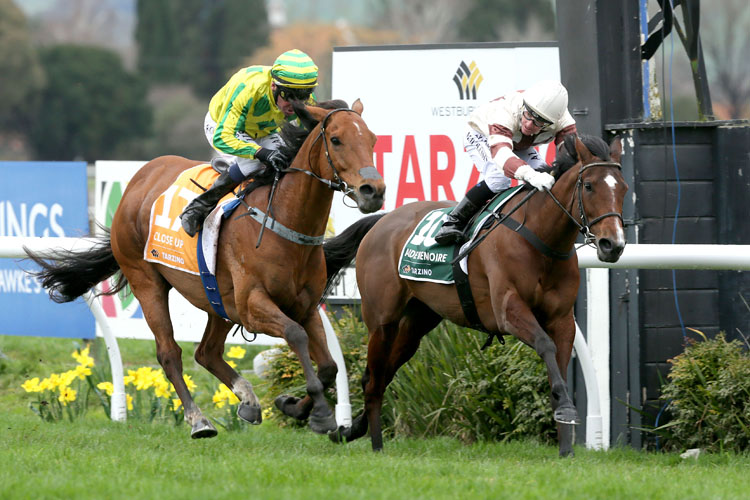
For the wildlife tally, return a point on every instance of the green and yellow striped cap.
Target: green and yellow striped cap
(295, 69)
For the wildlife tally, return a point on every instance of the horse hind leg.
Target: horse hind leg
(209, 355)
(152, 291)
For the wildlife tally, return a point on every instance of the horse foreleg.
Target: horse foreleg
(563, 334)
(522, 323)
(378, 352)
(263, 315)
(327, 370)
(390, 354)
(209, 355)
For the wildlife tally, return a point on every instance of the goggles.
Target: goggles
(290, 94)
(535, 118)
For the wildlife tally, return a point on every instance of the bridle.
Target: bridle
(585, 225)
(337, 184)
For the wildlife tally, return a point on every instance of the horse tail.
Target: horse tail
(68, 274)
(340, 250)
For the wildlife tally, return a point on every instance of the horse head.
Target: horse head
(347, 147)
(594, 177)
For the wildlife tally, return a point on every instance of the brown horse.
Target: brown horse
(274, 289)
(517, 289)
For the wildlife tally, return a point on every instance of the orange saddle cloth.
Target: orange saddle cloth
(168, 243)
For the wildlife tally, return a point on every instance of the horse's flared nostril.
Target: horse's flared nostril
(605, 245)
(367, 191)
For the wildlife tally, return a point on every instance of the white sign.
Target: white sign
(417, 101)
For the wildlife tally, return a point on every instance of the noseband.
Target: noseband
(585, 226)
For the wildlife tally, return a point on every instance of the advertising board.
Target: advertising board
(41, 199)
(417, 100)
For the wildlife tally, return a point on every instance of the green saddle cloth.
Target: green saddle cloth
(422, 259)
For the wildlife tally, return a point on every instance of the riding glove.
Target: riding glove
(272, 158)
(540, 180)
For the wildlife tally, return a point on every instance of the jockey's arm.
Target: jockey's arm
(501, 146)
(226, 137)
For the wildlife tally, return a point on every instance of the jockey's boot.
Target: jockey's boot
(198, 209)
(453, 228)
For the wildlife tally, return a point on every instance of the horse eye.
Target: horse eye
(335, 141)
(587, 185)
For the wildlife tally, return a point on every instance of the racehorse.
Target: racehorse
(274, 288)
(517, 289)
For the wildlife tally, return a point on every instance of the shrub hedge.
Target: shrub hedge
(708, 390)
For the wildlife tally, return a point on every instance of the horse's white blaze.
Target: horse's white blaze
(359, 130)
(611, 181)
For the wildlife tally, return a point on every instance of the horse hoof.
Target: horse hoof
(250, 413)
(203, 429)
(282, 401)
(323, 425)
(567, 415)
(339, 436)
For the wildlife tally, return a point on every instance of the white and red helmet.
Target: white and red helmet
(548, 99)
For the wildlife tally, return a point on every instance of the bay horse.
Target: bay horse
(274, 288)
(517, 289)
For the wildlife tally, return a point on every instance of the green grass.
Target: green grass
(97, 458)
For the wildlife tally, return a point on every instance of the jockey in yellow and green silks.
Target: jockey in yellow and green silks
(243, 123)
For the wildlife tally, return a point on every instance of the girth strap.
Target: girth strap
(466, 299)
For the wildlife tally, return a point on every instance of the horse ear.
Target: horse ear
(357, 107)
(584, 155)
(615, 149)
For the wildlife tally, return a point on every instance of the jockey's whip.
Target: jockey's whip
(268, 209)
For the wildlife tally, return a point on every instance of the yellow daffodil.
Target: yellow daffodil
(223, 396)
(106, 387)
(189, 382)
(161, 389)
(236, 352)
(52, 382)
(83, 357)
(129, 400)
(82, 371)
(176, 404)
(67, 395)
(232, 363)
(32, 385)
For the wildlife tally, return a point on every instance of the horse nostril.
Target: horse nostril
(605, 245)
(366, 190)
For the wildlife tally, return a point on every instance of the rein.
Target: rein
(337, 184)
(584, 228)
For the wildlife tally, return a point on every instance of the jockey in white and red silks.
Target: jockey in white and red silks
(500, 140)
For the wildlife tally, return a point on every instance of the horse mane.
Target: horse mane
(567, 156)
(295, 135)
